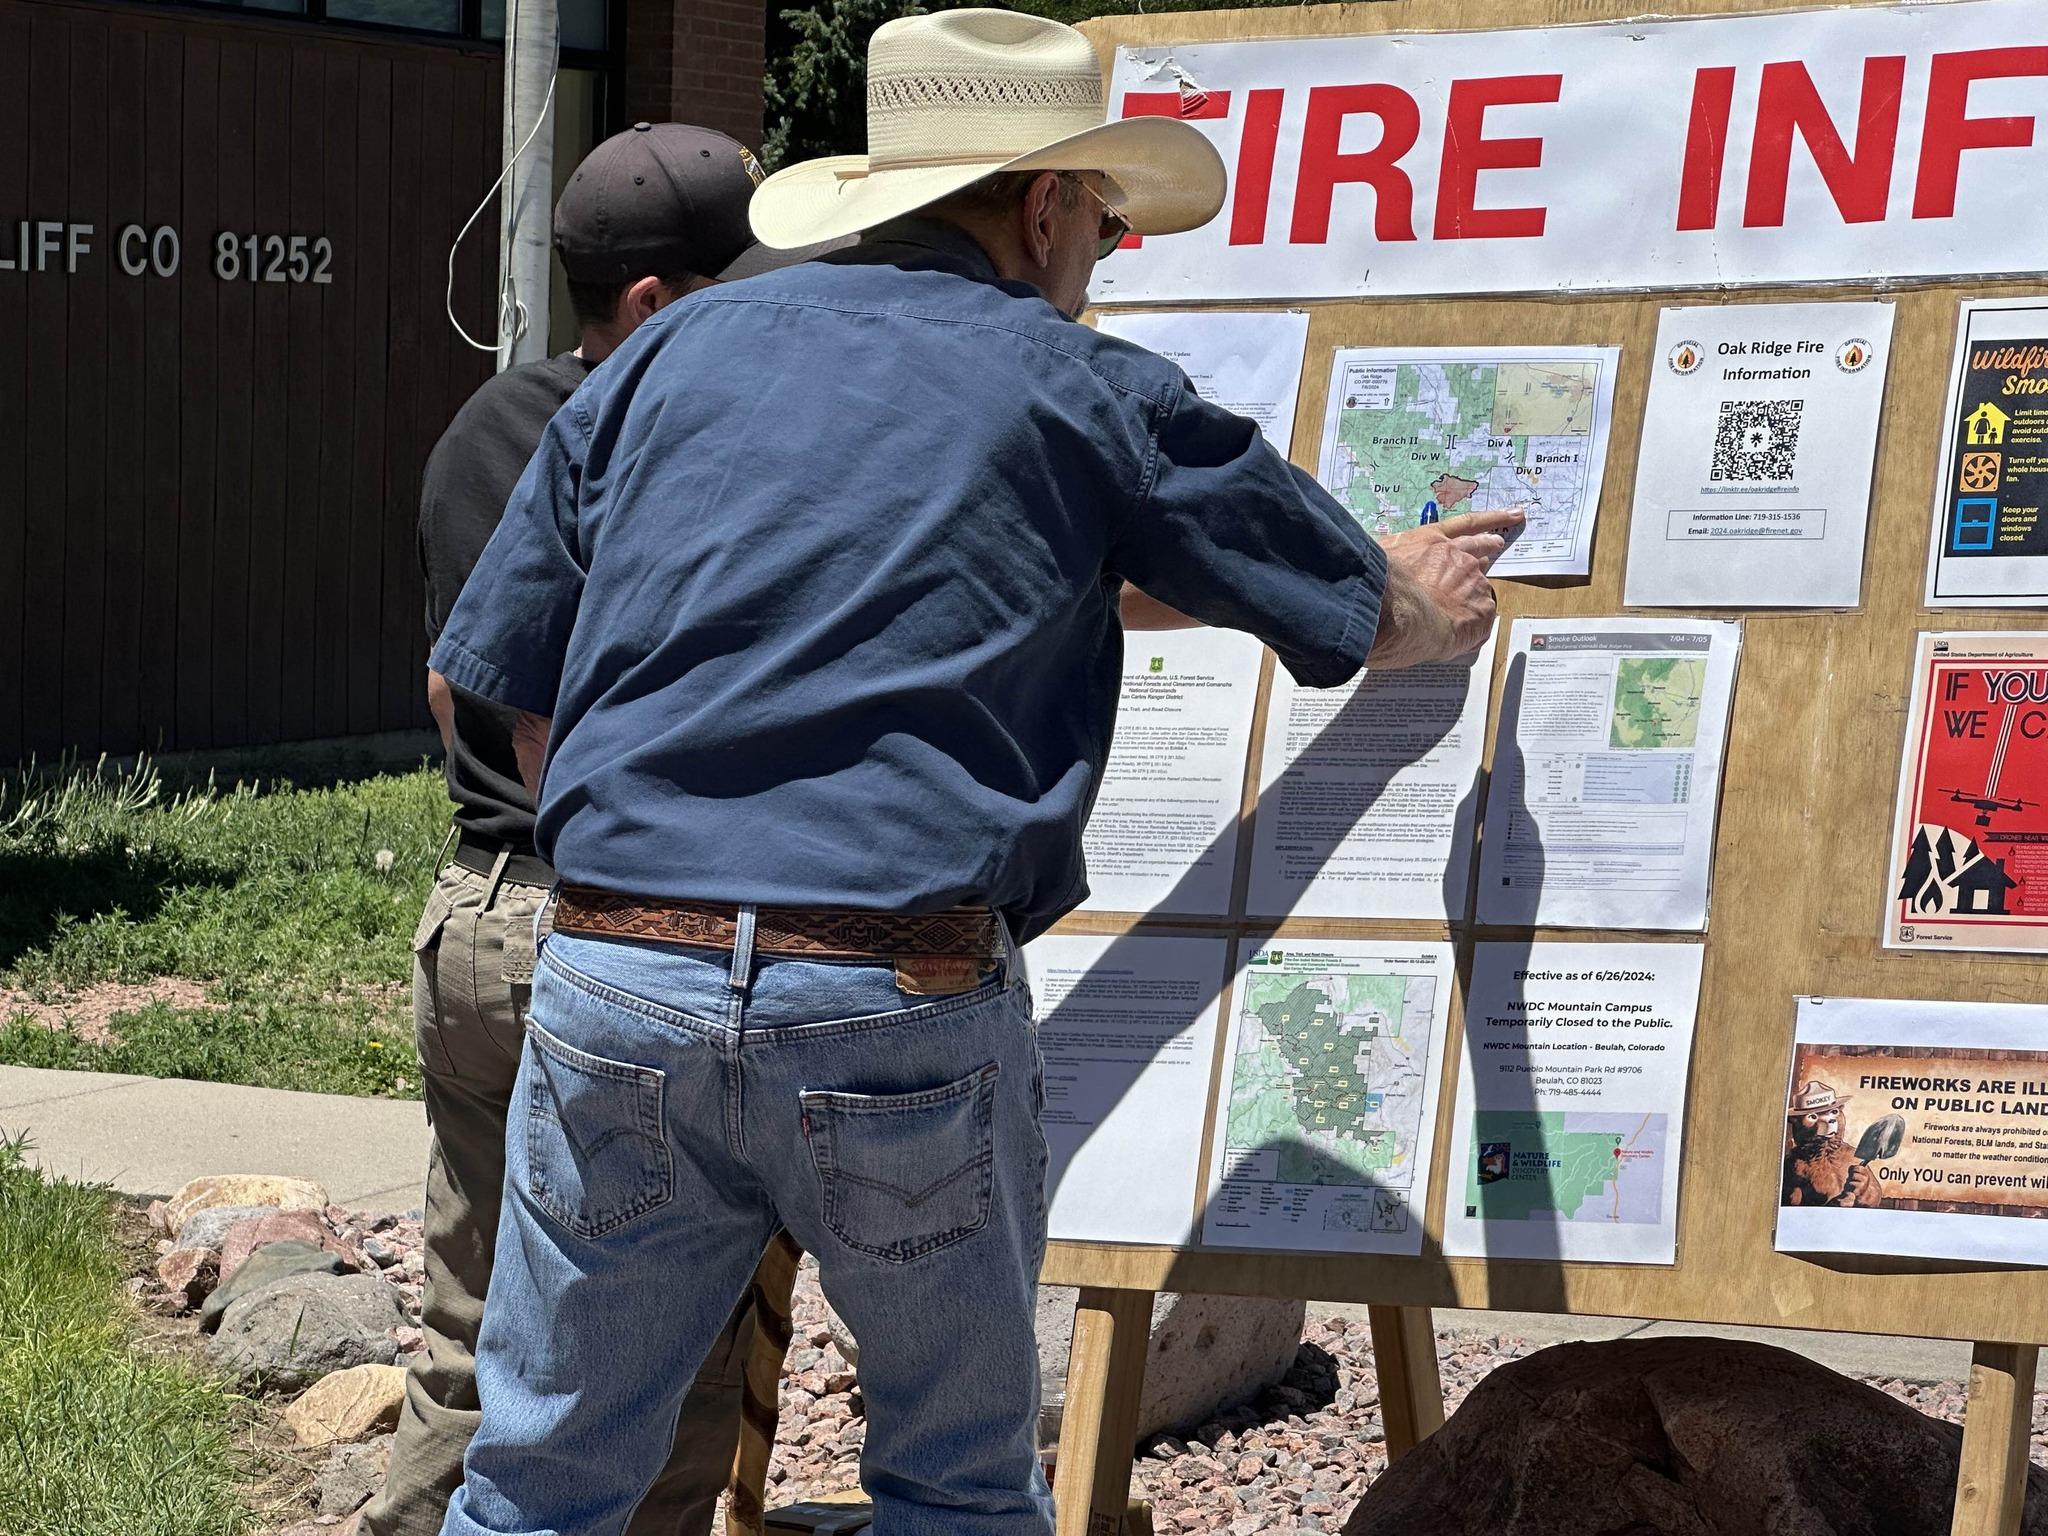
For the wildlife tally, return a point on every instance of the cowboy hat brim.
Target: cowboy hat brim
(1171, 178)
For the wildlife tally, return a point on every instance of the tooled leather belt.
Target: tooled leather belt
(966, 934)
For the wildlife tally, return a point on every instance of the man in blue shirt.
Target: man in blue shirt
(809, 600)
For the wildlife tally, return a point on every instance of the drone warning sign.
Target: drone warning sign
(1969, 866)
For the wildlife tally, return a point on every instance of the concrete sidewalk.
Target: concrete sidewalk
(147, 1135)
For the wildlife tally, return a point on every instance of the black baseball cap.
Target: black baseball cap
(659, 200)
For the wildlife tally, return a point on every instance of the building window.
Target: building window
(417, 15)
(583, 24)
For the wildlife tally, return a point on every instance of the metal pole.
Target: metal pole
(527, 202)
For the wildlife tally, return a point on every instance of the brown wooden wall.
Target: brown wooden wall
(208, 489)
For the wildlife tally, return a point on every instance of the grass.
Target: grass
(294, 907)
(96, 1437)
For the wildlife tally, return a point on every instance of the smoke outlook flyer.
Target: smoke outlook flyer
(1917, 1129)
(1969, 865)
(1990, 540)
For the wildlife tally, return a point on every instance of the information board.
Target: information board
(1802, 844)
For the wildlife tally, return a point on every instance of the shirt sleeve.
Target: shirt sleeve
(1232, 534)
(509, 632)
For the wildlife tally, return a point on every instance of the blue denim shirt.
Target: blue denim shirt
(818, 578)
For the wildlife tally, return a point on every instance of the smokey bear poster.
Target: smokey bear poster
(1917, 1129)
(1969, 865)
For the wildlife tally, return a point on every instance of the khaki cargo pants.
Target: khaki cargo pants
(472, 974)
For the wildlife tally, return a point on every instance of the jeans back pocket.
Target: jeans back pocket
(595, 1153)
(905, 1174)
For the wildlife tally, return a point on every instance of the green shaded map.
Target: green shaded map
(1541, 1165)
(1328, 1083)
(1657, 701)
(1463, 437)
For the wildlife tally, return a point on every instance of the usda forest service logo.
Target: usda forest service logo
(1854, 355)
(1686, 357)
(1158, 664)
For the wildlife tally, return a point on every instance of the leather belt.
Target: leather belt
(479, 855)
(967, 934)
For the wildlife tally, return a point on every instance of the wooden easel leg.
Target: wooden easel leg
(1997, 1434)
(1411, 1391)
(1099, 1430)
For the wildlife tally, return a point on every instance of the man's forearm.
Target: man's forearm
(1142, 612)
(441, 705)
(1412, 627)
(530, 746)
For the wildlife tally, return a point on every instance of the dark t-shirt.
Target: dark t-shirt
(469, 478)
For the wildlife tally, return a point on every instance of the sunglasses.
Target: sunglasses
(1114, 226)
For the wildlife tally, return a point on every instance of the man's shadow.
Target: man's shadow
(1419, 721)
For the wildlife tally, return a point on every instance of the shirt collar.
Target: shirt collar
(913, 239)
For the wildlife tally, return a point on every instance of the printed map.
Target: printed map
(1330, 1079)
(1539, 1165)
(1417, 440)
(1657, 701)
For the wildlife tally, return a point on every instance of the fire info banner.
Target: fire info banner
(1969, 867)
(1718, 152)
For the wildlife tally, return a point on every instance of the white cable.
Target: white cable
(511, 313)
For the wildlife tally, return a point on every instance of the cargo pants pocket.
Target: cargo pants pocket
(596, 1157)
(905, 1174)
(426, 984)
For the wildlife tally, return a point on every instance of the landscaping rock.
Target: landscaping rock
(292, 1333)
(267, 1266)
(189, 1274)
(245, 1237)
(242, 1189)
(350, 1479)
(209, 1228)
(1205, 1354)
(1676, 1437)
(348, 1405)
(159, 1222)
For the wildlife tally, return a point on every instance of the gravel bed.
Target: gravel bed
(1295, 1461)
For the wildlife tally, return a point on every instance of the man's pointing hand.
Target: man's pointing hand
(1439, 603)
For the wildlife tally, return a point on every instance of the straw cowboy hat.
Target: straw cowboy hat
(959, 97)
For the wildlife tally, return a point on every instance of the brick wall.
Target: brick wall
(697, 61)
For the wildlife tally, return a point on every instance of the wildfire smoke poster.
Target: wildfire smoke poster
(1969, 864)
(1917, 1129)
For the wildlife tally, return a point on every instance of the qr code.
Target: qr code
(1757, 439)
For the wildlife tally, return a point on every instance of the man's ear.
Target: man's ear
(1041, 217)
(641, 299)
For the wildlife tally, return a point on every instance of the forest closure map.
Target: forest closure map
(1326, 1079)
(1329, 1100)
(1412, 438)
(1657, 702)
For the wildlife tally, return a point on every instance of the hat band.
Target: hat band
(898, 93)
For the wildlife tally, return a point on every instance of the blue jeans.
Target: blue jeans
(674, 1107)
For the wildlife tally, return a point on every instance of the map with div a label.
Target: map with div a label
(1329, 1097)
(1413, 436)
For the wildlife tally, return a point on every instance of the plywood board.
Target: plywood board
(1800, 858)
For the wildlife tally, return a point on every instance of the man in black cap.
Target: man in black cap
(653, 214)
